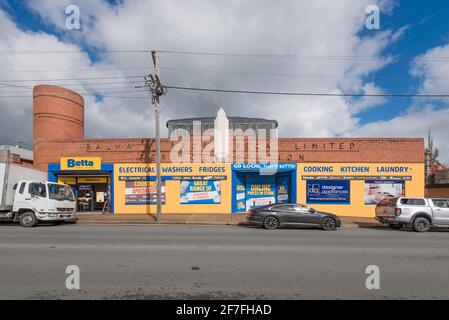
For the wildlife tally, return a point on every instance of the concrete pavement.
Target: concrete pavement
(223, 262)
(200, 219)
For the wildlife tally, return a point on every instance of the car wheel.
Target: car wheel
(28, 220)
(421, 224)
(270, 223)
(328, 224)
(395, 226)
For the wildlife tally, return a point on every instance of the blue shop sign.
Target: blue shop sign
(275, 166)
(328, 192)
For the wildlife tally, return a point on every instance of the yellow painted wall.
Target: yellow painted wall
(172, 204)
(357, 208)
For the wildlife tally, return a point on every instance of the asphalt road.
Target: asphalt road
(220, 262)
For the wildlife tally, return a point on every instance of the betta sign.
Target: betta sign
(75, 163)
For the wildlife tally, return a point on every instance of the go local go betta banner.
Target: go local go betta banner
(328, 192)
(200, 192)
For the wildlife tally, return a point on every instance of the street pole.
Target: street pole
(158, 139)
(154, 86)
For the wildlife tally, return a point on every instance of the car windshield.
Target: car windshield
(60, 192)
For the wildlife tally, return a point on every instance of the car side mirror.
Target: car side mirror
(312, 210)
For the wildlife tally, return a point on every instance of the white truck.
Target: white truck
(26, 197)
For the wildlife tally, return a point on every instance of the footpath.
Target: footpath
(197, 219)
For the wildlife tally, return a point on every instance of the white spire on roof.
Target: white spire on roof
(221, 136)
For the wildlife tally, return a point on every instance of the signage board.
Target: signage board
(80, 163)
(275, 166)
(376, 190)
(93, 180)
(67, 180)
(143, 192)
(200, 192)
(328, 192)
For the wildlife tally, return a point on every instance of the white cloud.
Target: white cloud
(432, 68)
(319, 27)
(414, 123)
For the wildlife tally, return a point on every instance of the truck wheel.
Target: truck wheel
(395, 226)
(421, 224)
(28, 220)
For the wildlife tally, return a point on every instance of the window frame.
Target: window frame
(38, 195)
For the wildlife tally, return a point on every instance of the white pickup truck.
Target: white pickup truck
(27, 198)
(419, 213)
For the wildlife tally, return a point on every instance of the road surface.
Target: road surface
(220, 262)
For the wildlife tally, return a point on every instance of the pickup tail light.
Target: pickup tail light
(397, 211)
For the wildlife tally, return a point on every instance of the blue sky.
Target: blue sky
(408, 29)
(427, 27)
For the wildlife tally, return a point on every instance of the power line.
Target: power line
(216, 72)
(17, 52)
(91, 95)
(99, 91)
(286, 74)
(93, 69)
(231, 54)
(117, 85)
(299, 56)
(71, 79)
(2, 85)
(402, 95)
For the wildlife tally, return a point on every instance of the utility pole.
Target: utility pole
(156, 90)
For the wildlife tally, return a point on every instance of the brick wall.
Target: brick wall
(58, 129)
(290, 150)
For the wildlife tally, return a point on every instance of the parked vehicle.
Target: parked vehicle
(291, 215)
(27, 198)
(419, 213)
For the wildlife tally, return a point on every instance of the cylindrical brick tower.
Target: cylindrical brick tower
(58, 115)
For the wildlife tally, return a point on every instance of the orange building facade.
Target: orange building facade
(121, 171)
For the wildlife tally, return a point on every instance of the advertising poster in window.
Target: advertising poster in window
(376, 190)
(141, 192)
(259, 195)
(240, 196)
(282, 190)
(328, 192)
(200, 192)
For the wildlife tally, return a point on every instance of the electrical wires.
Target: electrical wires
(390, 95)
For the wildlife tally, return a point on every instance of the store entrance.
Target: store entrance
(91, 197)
(253, 190)
(92, 193)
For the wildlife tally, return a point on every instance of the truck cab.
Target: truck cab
(38, 201)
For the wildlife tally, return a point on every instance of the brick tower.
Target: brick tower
(58, 115)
